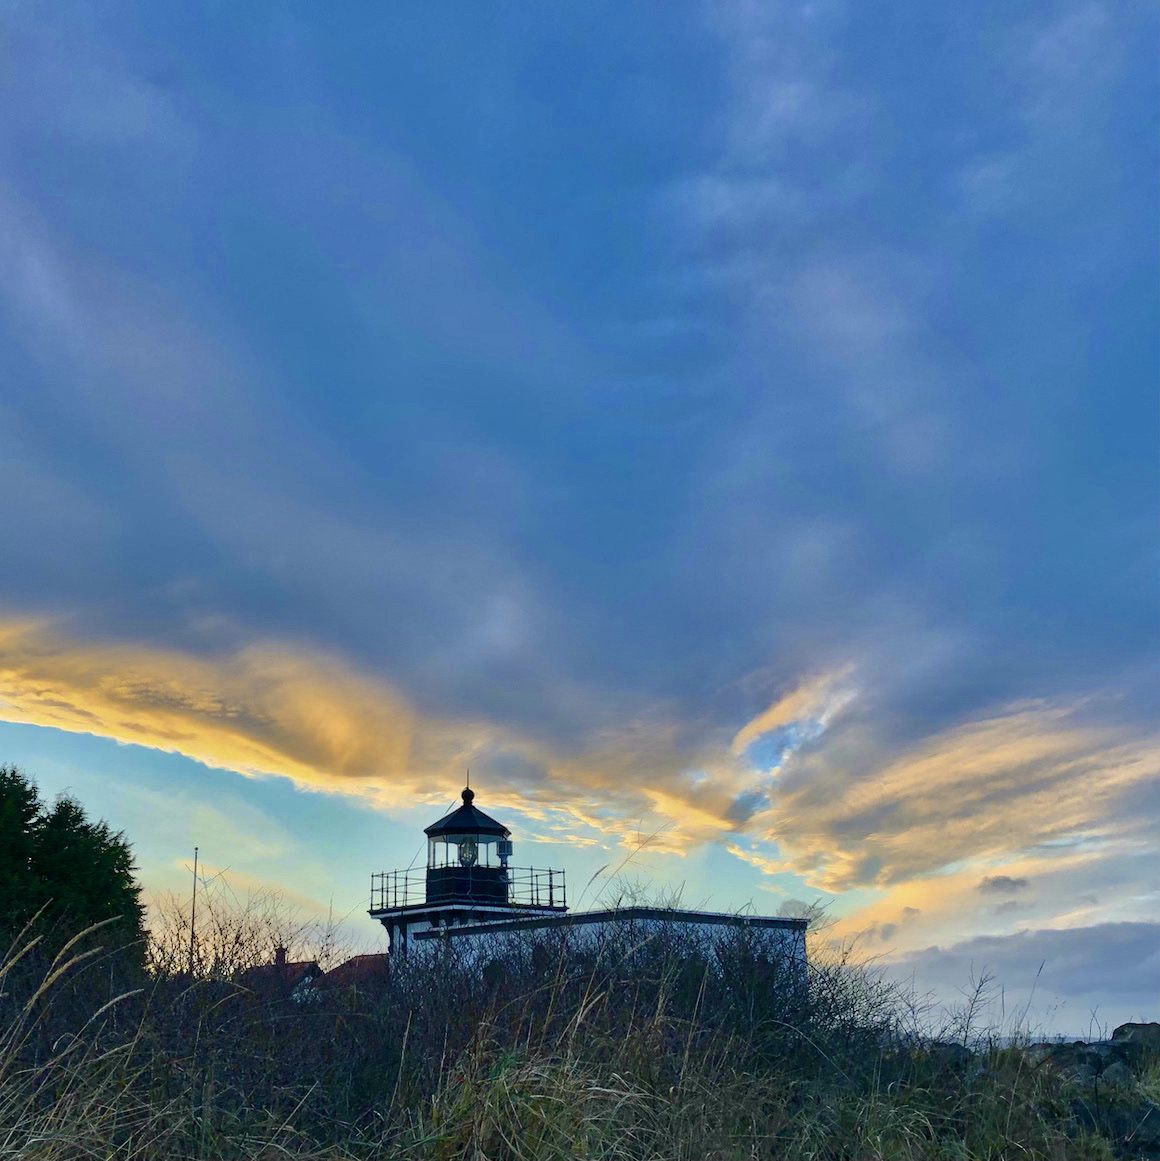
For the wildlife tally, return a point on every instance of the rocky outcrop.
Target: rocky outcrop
(1101, 1061)
(1107, 1075)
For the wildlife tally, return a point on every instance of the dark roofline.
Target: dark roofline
(412, 910)
(467, 819)
(297, 965)
(371, 967)
(286, 975)
(613, 914)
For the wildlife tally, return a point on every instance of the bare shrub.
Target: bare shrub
(233, 933)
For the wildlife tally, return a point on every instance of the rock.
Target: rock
(1135, 1128)
(1079, 1062)
(1111, 1062)
(1144, 1119)
(1147, 1035)
(1116, 1073)
(1135, 1043)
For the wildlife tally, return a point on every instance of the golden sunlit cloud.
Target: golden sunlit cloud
(261, 711)
(272, 710)
(1034, 775)
(989, 790)
(937, 908)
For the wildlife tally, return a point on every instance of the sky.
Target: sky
(728, 429)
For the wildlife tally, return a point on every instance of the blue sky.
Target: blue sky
(728, 425)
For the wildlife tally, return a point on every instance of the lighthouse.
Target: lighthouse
(470, 894)
(469, 880)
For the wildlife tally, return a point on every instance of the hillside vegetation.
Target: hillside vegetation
(645, 1048)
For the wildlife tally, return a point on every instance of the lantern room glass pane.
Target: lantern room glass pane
(462, 850)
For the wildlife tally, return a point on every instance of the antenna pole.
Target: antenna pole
(193, 912)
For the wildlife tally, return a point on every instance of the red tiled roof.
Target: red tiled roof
(360, 969)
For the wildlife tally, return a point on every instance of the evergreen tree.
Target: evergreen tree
(20, 812)
(75, 872)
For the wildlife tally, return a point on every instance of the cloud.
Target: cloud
(1034, 775)
(814, 701)
(270, 709)
(263, 710)
(797, 909)
(1102, 974)
(1013, 786)
(1001, 884)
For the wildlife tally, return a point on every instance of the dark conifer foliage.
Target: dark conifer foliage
(63, 872)
(19, 815)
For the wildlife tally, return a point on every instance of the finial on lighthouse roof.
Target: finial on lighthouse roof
(467, 819)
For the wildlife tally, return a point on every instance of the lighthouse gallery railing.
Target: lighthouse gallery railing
(527, 887)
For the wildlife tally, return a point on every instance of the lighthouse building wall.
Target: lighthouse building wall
(623, 930)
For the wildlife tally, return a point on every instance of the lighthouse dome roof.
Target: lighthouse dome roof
(467, 819)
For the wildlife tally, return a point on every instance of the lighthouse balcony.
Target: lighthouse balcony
(517, 888)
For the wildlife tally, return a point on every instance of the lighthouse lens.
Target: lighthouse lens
(468, 852)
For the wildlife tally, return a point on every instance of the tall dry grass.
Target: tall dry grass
(652, 1045)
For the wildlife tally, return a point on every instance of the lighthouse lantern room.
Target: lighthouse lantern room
(467, 855)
